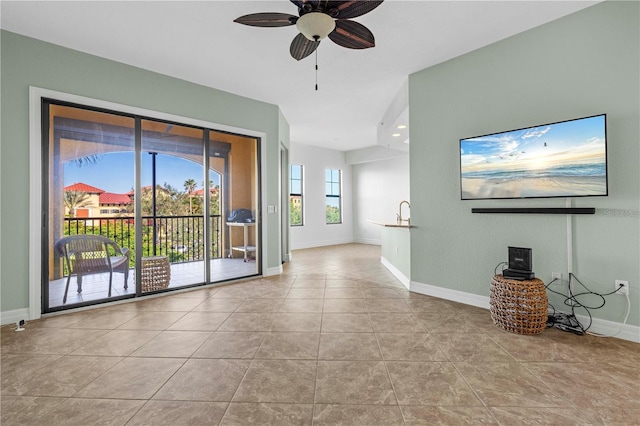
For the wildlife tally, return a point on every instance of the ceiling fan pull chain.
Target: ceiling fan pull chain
(316, 38)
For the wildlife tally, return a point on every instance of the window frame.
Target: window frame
(330, 193)
(41, 124)
(295, 194)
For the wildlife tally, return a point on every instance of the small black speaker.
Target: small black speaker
(515, 274)
(520, 259)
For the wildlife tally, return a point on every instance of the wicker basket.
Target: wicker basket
(519, 306)
(156, 273)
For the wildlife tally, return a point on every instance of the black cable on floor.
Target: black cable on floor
(569, 322)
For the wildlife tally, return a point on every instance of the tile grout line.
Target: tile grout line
(384, 362)
(253, 358)
(315, 383)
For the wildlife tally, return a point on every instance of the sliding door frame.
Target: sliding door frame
(37, 219)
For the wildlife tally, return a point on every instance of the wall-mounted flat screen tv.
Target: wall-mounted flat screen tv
(563, 159)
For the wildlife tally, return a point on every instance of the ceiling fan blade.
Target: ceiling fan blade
(352, 34)
(305, 6)
(350, 9)
(301, 47)
(267, 19)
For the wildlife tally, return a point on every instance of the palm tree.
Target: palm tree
(86, 160)
(189, 186)
(75, 199)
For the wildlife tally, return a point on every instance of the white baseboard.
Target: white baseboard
(449, 294)
(612, 328)
(273, 271)
(599, 326)
(396, 273)
(371, 241)
(313, 244)
(16, 315)
(288, 257)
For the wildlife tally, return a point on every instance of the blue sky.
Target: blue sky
(113, 172)
(576, 141)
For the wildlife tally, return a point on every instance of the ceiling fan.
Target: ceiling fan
(319, 19)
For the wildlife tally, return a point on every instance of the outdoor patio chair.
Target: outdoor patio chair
(92, 254)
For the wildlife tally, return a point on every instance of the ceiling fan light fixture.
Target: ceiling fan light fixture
(315, 25)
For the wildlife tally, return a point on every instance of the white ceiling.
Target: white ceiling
(199, 42)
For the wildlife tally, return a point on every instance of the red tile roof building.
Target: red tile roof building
(98, 202)
(111, 198)
(200, 192)
(83, 187)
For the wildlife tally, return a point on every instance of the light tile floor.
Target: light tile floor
(335, 340)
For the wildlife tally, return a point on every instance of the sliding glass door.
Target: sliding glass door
(90, 174)
(172, 206)
(135, 205)
(234, 158)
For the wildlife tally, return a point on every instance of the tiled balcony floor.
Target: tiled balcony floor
(95, 287)
(334, 340)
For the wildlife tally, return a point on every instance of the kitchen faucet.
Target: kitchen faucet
(399, 215)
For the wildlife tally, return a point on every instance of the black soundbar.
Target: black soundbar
(537, 210)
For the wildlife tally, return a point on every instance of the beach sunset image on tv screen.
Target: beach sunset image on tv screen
(565, 159)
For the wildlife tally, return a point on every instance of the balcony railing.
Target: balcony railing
(180, 238)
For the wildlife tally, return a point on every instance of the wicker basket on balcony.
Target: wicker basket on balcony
(519, 306)
(155, 273)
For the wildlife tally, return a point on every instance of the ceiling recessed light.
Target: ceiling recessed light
(395, 135)
(402, 126)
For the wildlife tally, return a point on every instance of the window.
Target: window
(332, 185)
(295, 195)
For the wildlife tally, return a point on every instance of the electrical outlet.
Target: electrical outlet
(624, 289)
(557, 276)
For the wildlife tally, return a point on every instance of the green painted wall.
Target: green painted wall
(28, 62)
(583, 64)
(396, 248)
